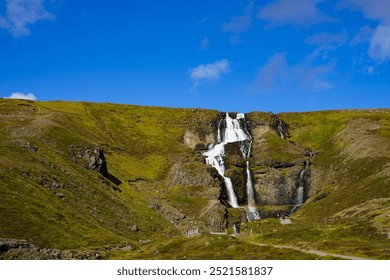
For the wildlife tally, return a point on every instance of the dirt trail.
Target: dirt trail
(311, 251)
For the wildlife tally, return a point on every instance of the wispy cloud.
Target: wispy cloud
(298, 12)
(204, 44)
(362, 36)
(380, 44)
(326, 43)
(277, 72)
(325, 38)
(20, 14)
(372, 9)
(21, 95)
(239, 24)
(273, 72)
(210, 71)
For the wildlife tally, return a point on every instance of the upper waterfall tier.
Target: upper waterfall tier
(233, 131)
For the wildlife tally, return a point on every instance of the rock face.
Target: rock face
(216, 216)
(191, 174)
(198, 140)
(278, 186)
(275, 179)
(91, 157)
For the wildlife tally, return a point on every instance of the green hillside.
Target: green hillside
(55, 194)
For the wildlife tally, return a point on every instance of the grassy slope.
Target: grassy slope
(352, 155)
(209, 247)
(142, 143)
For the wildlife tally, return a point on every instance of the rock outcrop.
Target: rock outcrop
(91, 157)
(198, 140)
(15, 249)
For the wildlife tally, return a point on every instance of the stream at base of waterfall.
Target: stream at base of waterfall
(232, 130)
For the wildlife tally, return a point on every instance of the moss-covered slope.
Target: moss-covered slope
(50, 197)
(55, 194)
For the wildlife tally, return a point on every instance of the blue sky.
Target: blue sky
(259, 55)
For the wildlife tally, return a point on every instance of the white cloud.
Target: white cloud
(21, 95)
(372, 9)
(298, 12)
(211, 71)
(20, 14)
(278, 74)
(380, 43)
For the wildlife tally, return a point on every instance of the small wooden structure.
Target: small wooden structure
(192, 232)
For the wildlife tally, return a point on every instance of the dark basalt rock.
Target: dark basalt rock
(93, 158)
(97, 161)
(235, 160)
(8, 244)
(238, 178)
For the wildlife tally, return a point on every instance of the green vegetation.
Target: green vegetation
(51, 197)
(352, 237)
(352, 155)
(209, 247)
(54, 202)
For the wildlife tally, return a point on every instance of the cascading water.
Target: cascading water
(214, 157)
(252, 212)
(301, 187)
(233, 132)
(280, 128)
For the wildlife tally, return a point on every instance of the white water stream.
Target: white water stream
(230, 133)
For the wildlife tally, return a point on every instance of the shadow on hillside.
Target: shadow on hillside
(113, 179)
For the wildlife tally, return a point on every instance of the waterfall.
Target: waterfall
(214, 157)
(252, 212)
(309, 153)
(219, 138)
(233, 131)
(229, 131)
(301, 187)
(279, 124)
